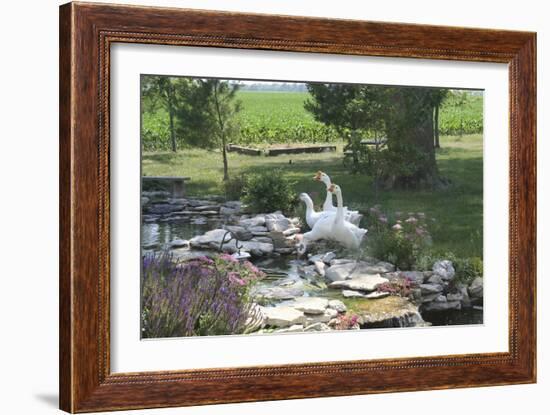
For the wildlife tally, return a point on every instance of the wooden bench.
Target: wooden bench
(178, 183)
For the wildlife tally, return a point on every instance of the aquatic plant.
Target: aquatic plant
(203, 296)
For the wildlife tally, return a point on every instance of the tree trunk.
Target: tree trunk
(221, 126)
(411, 135)
(172, 132)
(436, 126)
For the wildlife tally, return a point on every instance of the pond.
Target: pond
(286, 273)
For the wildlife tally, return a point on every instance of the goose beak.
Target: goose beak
(331, 188)
(317, 176)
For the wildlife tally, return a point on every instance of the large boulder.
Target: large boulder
(277, 222)
(476, 289)
(212, 240)
(444, 269)
(340, 272)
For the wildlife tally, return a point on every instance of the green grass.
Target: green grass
(458, 210)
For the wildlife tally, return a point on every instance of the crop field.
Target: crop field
(280, 117)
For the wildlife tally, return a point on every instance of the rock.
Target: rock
(199, 220)
(186, 254)
(240, 232)
(291, 231)
(328, 315)
(392, 311)
(204, 208)
(233, 204)
(341, 261)
(156, 194)
(466, 301)
(317, 327)
(276, 222)
(264, 239)
(144, 200)
(283, 316)
(352, 294)
(430, 288)
(308, 271)
(257, 229)
(258, 220)
(426, 298)
(285, 251)
(444, 269)
(326, 257)
(228, 211)
(454, 297)
(256, 318)
(435, 279)
(179, 243)
(162, 208)
(377, 294)
(442, 306)
(320, 267)
(476, 289)
(179, 201)
(296, 328)
(280, 293)
(337, 305)
(416, 277)
(361, 283)
(380, 267)
(339, 272)
(213, 238)
(310, 305)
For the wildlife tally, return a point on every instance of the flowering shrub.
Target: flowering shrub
(347, 322)
(200, 297)
(400, 286)
(398, 239)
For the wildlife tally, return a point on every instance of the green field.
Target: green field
(458, 211)
(280, 117)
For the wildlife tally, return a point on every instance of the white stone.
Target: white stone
(310, 305)
(444, 269)
(283, 316)
(361, 283)
(320, 267)
(340, 272)
(476, 288)
(337, 305)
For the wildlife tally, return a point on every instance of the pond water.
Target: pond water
(285, 271)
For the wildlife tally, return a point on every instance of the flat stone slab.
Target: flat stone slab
(310, 305)
(361, 283)
(283, 316)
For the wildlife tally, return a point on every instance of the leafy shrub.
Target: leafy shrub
(234, 187)
(399, 239)
(466, 269)
(200, 297)
(269, 191)
(400, 286)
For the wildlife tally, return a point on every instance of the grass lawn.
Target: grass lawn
(458, 210)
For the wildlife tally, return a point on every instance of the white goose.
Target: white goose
(343, 231)
(352, 216)
(311, 216)
(333, 227)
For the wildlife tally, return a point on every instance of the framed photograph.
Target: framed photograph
(260, 207)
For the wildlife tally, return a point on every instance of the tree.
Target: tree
(439, 96)
(404, 114)
(162, 90)
(221, 107)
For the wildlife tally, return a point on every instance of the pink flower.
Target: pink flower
(383, 219)
(234, 278)
(397, 227)
(411, 220)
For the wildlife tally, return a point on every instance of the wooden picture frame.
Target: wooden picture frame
(86, 33)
